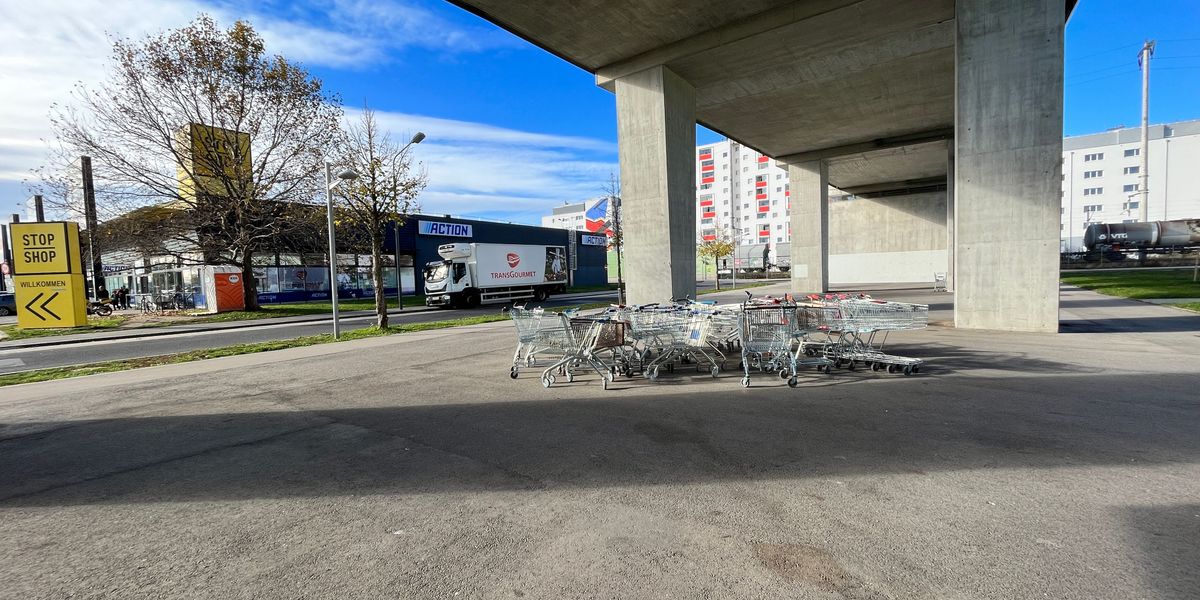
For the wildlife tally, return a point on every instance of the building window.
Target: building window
(777, 227)
(1087, 208)
(723, 155)
(1091, 174)
(725, 178)
(745, 218)
(745, 205)
(744, 170)
(1130, 187)
(724, 214)
(779, 176)
(1094, 156)
(762, 166)
(1132, 170)
(1130, 205)
(1093, 191)
(707, 163)
(705, 186)
(762, 215)
(1133, 152)
(702, 151)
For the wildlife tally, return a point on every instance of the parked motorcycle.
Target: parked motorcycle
(100, 309)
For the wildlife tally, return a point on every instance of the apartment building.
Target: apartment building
(741, 195)
(1102, 178)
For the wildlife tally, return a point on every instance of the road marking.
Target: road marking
(11, 362)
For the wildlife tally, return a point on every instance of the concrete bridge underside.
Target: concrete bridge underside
(954, 102)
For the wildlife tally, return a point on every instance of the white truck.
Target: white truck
(474, 274)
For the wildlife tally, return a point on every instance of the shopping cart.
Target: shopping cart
(858, 323)
(584, 343)
(766, 335)
(537, 332)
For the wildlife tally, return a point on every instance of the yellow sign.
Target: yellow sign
(45, 248)
(50, 301)
(214, 161)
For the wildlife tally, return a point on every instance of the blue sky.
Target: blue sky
(512, 129)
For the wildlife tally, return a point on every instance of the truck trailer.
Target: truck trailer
(474, 274)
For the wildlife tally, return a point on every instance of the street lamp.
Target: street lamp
(416, 139)
(347, 175)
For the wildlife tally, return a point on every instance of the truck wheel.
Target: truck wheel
(540, 295)
(472, 300)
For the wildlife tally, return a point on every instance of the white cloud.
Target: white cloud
(474, 168)
(482, 170)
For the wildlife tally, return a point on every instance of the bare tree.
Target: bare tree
(617, 240)
(204, 122)
(385, 191)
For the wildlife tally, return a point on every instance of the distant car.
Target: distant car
(8, 304)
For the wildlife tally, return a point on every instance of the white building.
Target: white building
(741, 196)
(1101, 177)
(567, 216)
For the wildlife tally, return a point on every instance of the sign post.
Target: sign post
(48, 275)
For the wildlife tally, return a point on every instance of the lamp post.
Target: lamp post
(417, 138)
(347, 175)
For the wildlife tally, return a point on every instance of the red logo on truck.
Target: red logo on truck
(513, 260)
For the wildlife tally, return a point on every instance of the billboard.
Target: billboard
(212, 160)
(596, 216)
(511, 264)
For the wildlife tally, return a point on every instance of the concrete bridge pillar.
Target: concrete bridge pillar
(809, 185)
(1007, 163)
(656, 140)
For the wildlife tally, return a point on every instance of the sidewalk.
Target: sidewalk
(136, 332)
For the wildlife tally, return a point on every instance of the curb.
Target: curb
(138, 332)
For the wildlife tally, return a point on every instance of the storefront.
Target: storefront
(284, 276)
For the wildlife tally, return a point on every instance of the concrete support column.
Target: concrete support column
(656, 140)
(1008, 163)
(950, 218)
(809, 184)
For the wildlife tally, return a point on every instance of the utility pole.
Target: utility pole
(91, 222)
(1144, 61)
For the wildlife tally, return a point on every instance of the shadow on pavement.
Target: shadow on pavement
(1167, 536)
(1181, 323)
(577, 436)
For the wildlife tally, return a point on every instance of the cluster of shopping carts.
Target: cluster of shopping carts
(765, 335)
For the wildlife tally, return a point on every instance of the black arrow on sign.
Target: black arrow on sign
(29, 307)
(48, 311)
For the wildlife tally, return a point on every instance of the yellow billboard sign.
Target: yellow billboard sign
(45, 301)
(213, 161)
(45, 248)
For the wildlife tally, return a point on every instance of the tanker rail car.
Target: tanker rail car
(1183, 233)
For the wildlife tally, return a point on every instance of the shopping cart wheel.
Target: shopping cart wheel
(783, 374)
(570, 377)
(512, 373)
(715, 371)
(652, 374)
(875, 366)
(916, 369)
(850, 365)
(828, 370)
(670, 367)
(893, 368)
(793, 382)
(529, 361)
(908, 370)
(745, 382)
(547, 381)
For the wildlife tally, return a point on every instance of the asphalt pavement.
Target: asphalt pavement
(1061, 466)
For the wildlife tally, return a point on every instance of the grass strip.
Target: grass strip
(12, 332)
(1138, 284)
(182, 357)
(1189, 306)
